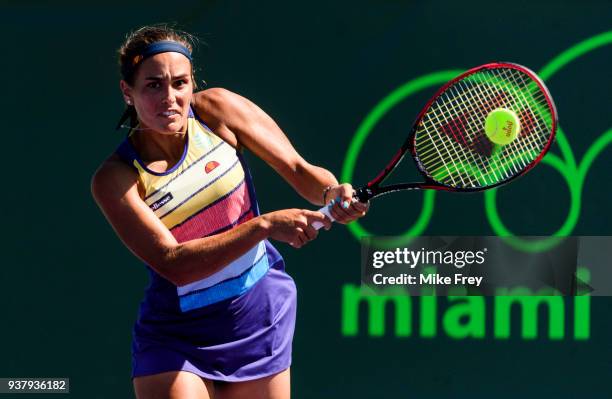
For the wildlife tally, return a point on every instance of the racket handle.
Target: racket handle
(325, 211)
(363, 194)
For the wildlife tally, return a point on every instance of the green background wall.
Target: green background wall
(69, 289)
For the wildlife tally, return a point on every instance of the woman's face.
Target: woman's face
(162, 92)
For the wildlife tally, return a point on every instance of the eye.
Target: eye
(180, 82)
(153, 85)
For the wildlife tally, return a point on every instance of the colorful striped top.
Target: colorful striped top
(207, 192)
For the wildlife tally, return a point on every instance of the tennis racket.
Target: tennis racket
(485, 128)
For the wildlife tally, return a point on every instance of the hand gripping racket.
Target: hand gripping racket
(482, 129)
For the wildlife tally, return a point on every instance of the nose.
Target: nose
(168, 95)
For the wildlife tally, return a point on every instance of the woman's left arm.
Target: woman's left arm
(242, 123)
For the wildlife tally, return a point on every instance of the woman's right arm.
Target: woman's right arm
(114, 187)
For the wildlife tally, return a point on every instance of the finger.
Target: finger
(356, 211)
(339, 213)
(340, 190)
(327, 222)
(311, 233)
(346, 199)
(302, 238)
(346, 192)
(360, 207)
(316, 216)
(341, 193)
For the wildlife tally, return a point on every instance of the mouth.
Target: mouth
(170, 114)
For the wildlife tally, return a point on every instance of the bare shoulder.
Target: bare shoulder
(113, 179)
(218, 101)
(224, 112)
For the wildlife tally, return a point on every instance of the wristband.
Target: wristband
(325, 191)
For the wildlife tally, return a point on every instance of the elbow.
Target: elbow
(170, 265)
(296, 170)
(290, 168)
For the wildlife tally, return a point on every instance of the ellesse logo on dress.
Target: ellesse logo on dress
(210, 166)
(161, 202)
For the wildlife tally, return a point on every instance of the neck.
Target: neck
(153, 146)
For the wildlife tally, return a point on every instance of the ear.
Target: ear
(126, 90)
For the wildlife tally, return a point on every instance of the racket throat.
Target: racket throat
(364, 194)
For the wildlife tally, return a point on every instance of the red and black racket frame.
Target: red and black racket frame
(373, 189)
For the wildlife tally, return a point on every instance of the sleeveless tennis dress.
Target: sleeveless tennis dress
(236, 324)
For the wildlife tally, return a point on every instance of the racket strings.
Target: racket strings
(460, 110)
(527, 128)
(528, 146)
(516, 150)
(496, 100)
(455, 127)
(485, 107)
(459, 101)
(450, 139)
(540, 129)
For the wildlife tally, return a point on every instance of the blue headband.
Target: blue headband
(163, 46)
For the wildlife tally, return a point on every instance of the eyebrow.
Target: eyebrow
(161, 78)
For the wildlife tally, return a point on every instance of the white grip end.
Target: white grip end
(325, 211)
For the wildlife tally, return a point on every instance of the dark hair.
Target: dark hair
(133, 46)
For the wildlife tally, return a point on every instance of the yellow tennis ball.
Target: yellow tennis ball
(502, 126)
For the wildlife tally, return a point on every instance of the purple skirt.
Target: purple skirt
(238, 339)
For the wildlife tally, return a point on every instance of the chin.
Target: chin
(171, 128)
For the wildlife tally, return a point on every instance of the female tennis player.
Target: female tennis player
(218, 317)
